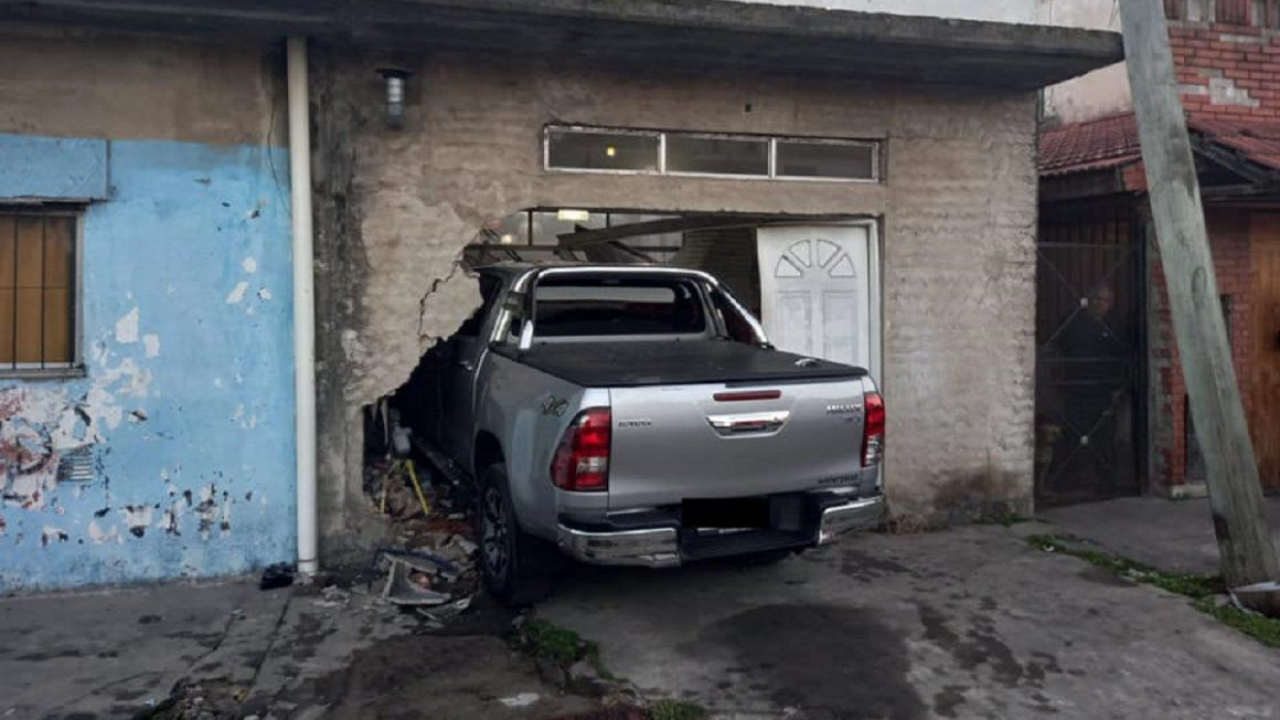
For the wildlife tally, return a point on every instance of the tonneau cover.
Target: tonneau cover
(631, 364)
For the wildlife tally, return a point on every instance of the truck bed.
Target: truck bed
(637, 364)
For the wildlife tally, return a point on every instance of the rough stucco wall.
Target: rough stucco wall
(82, 83)
(960, 314)
(184, 415)
(959, 204)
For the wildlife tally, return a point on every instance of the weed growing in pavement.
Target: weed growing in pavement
(1202, 589)
(676, 710)
(546, 640)
(1259, 627)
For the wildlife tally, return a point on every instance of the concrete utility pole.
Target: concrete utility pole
(1239, 519)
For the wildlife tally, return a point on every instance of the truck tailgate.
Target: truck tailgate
(704, 441)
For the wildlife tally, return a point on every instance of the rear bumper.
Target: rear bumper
(655, 547)
(845, 517)
(670, 545)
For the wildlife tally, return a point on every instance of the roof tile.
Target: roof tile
(1113, 141)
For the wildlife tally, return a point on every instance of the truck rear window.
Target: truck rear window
(586, 307)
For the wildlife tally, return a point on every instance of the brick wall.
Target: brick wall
(1227, 55)
(1229, 242)
(1227, 71)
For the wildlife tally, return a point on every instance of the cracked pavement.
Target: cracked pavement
(966, 623)
(289, 654)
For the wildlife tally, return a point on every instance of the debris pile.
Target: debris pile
(431, 569)
(208, 700)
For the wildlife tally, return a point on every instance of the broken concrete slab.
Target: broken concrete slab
(114, 654)
(111, 654)
(229, 650)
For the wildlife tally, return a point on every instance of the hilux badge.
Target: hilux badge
(842, 409)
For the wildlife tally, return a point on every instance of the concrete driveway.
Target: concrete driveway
(969, 623)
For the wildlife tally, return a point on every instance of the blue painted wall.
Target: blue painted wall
(58, 168)
(184, 419)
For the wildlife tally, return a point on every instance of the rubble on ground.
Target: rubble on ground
(431, 566)
(210, 700)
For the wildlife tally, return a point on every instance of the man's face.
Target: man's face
(1101, 302)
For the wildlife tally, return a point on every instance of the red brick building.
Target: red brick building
(1110, 380)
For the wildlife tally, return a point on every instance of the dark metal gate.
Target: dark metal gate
(1090, 298)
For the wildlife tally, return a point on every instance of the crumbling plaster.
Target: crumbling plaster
(395, 207)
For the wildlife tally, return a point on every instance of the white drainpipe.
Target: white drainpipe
(304, 309)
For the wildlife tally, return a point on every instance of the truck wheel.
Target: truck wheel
(513, 564)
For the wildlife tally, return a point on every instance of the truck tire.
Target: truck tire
(514, 565)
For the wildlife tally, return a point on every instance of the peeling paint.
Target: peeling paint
(237, 294)
(40, 426)
(137, 517)
(264, 294)
(110, 477)
(169, 518)
(244, 419)
(100, 537)
(127, 328)
(50, 535)
(211, 512)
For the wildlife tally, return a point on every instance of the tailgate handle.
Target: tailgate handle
(759, 422)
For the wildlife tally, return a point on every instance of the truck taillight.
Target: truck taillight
(581, 462)
(872, 429)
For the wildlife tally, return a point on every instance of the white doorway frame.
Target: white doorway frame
(875, 269)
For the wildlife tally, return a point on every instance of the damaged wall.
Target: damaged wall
(173, 455)
(395, 207)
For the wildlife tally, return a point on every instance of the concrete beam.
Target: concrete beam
(697, 34)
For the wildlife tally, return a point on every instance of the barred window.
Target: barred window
(37, 291)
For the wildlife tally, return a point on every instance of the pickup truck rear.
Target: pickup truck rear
(638, 416)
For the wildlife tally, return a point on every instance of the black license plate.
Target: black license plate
(728, 514)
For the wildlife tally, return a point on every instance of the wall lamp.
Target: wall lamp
(395, 80)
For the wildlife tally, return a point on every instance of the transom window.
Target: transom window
(604, 150)
(37, 291)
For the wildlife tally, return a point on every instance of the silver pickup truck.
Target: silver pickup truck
(630, 415)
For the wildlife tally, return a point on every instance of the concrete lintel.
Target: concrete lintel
(52, 169)
(689, 33)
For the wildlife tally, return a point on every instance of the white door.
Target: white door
(816, 291)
